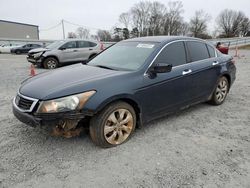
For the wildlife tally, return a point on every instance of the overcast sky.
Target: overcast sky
(101, 14)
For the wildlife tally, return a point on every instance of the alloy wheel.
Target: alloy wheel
(118, 126)
(51, 64)
(221, 90)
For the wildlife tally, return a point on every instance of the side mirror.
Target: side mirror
(161, 68)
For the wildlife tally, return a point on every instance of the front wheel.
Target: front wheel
(220, 92)
(114, 125)
(50, 63)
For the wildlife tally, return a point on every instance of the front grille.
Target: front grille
(25, 103)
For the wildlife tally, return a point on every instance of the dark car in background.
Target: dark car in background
(127, 85)
(64, 52)
(24, 49)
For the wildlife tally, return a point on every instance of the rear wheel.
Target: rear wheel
(18, 52)
(220, 92)
(114, 125)
(50, 63)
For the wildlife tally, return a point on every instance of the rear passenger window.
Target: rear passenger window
(92, 44)
(174, 54)
(83, 44)
(69, 45)
(211, 51)
(198, 51)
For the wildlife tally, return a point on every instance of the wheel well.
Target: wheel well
(135, 107)
(49, 57)
(228, 79)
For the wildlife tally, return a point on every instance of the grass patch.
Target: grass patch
(247, 47)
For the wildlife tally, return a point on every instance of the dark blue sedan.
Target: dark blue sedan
(127, 85)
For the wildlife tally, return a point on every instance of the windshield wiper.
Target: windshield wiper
(104, 67)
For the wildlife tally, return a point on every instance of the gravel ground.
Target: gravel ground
(203, 146)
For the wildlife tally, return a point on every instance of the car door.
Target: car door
(68, 52)
(84, 50)
(205, 69)
(26, 48)
(167, 91)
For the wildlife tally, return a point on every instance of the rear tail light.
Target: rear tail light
(102, 47)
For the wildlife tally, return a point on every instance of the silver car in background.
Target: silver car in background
(64, 52)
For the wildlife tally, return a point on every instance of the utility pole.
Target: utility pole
(63, 29)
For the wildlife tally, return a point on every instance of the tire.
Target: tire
(18, 52)
(110, 119)
(50, 63)
(220, 92)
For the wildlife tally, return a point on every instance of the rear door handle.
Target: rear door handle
(75, 50)
(90, 49)
(215, 63)
(185, 72)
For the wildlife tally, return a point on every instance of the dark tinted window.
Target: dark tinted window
(71, 44)
(83, 44)
(211, 51)
(92, 44)
(198, 51)
(125, 55)
(35, 45)
(173, 54)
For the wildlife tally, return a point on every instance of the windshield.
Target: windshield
(124, 56)
(54, 45)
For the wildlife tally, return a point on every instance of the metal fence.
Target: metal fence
(237, 41)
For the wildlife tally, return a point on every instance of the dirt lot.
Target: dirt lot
(203, 146)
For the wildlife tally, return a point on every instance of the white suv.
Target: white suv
(64, 52)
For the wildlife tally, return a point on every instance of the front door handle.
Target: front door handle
(215, 63)
(90, 49)
(75, 50)
(185, 72)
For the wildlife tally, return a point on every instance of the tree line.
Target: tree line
(154, 18)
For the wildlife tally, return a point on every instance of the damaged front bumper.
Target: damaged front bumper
(53, 119)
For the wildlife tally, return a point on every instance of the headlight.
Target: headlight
(65, 104)
(37, 55)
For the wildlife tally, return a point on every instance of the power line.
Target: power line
(81, 25)
(50, 28)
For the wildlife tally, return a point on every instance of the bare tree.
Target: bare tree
(229, 22)
(198, 23)
(141, 16)
(184, 29)
(173, 19)
(104, 35)
(157, 11)
(125, 19)
(83, 33)
(245, 26)
(71, 35)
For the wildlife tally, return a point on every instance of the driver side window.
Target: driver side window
(174, 54)
(69, 45)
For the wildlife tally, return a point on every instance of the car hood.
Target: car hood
(66, 81)
(37, 50)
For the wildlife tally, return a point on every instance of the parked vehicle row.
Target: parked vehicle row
(24, 48)
(125, 86)
(6, 48)
(64, 52)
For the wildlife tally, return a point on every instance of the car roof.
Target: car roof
(162, 39)
(75, 39)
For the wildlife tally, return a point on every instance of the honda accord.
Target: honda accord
(126, 86)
